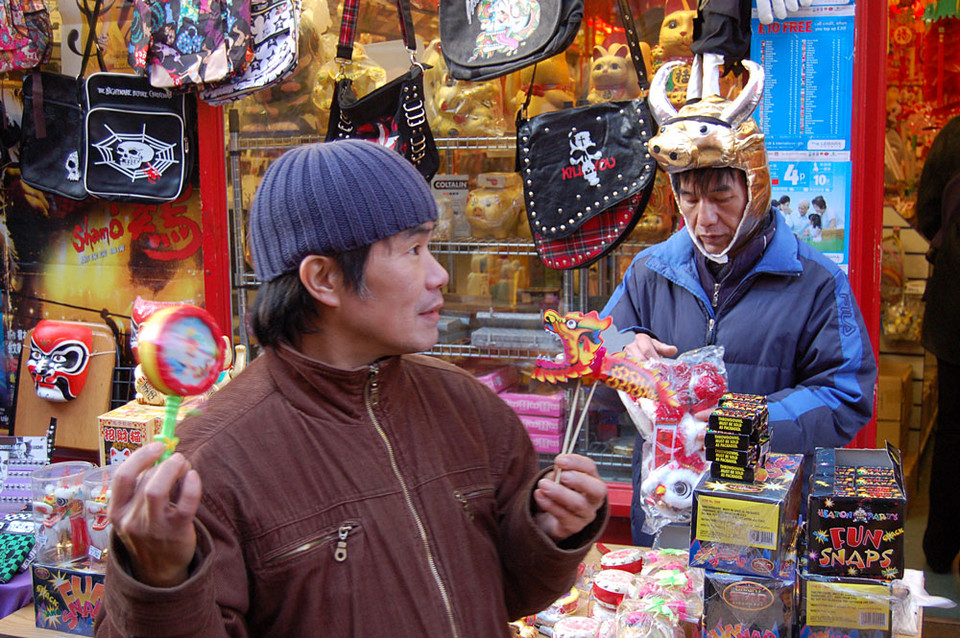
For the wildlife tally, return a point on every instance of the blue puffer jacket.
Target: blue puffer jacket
(791, 330)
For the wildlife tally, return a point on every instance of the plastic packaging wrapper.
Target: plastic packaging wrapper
(651, 617)
(862, 607)
(58, 512)
(673, 457)
(96, 500)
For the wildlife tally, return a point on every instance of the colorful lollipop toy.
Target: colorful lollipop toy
(181, 355)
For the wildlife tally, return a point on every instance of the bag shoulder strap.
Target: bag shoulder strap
(348, 28)
(633, 43)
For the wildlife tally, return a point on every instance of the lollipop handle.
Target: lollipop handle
(169, 424)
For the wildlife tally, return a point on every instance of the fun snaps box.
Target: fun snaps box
(748, 528)
(856, 513)
(67, 599)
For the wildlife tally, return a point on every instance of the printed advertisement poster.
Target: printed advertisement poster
(814, 194)
(88, 261)
(806, 114)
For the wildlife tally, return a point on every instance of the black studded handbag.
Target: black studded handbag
(587, 174)
(393, 115)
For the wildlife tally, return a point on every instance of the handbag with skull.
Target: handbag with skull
(136, 140)
(587, 173)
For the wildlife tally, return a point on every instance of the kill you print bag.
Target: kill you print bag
(587, 174)
(137, 139)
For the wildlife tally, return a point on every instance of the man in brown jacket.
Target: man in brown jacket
(349, 488)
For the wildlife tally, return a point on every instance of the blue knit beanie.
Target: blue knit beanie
(331, 197)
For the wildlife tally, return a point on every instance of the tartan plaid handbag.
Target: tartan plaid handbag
(587, 173)
(394, 115)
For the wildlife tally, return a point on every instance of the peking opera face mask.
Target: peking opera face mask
(59, 359)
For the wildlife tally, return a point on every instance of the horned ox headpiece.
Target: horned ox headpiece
(714, 132)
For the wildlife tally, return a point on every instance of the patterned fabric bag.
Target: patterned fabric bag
(394, 115)
(275, 30)
(25, 35)
(587, 173)
(178, 43)
(484, 39)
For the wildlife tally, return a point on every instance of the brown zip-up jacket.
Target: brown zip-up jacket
(390, 500)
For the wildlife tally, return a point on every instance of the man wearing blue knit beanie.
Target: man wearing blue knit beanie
(349, 486)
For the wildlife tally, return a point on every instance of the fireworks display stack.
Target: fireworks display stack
(854, 543)
(738, 439)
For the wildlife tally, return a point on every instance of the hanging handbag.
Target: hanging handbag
(177, 43)
(136, 139)
(587, 173)
(393, 115)
(51, 149)
(275, 29)
(25, 35)
(485, 39)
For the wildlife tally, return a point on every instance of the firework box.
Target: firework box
(67, 599)
(546, 443)
(737, 605)
(856, 512)
(542, 424)
(133, 425)
(836, 607)
(748, 528)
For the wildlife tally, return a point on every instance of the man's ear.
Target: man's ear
(322, 278)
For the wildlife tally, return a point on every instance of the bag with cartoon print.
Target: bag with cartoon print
(25, 35)
(485, 39)
(275, 29)
(587, 173)
(179, 43)
(137, 139)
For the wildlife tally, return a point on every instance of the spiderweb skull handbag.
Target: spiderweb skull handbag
(394, 115)
(587, 173)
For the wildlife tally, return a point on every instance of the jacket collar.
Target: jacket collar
(315, 388)
(675, 258)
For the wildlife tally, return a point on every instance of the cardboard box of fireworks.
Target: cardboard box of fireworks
(67, 598)
(856, 514)
(748, 528)
(134, 425)
(846, 606)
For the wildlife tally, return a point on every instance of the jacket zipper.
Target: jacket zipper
(464, 499)
(339, 553)
(372, 398)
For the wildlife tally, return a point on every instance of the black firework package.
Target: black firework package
(137, 139)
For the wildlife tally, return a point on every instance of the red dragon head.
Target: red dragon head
(582, 345)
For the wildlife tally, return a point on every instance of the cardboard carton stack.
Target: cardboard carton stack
(854, 542)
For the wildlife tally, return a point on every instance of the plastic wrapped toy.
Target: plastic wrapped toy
(673, 456)
(58, 512)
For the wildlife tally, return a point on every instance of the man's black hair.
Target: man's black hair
(700, 180)
(283, 310)
(785, 199)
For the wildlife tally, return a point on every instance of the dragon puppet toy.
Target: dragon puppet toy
(584, 358)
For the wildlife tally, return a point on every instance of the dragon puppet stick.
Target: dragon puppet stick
(585, 358)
